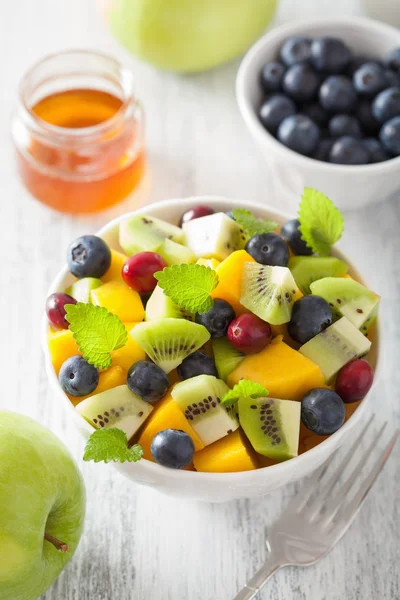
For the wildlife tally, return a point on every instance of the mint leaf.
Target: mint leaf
(251, 224)
(321, 223)
(244, 389)
(111, 445)
(96, 331)
(189, 286)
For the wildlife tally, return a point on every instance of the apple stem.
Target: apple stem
(60, 546)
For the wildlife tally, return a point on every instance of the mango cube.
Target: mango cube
(113, 377)
(114, 272)
(129, 354)
(230, 454)
(120, 300)
(61, 346)
(230, 274)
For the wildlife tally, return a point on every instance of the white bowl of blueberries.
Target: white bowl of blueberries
(322, 99)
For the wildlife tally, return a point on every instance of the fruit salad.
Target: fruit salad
(223, 344)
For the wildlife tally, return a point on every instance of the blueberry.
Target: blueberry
(377, 152)
(88, 256)
(322, 411)
(348, 151)
(147, 380)
(337, 94)
(268, 249)
(217, 320)
(364, 114)
(271, 77)
(292, 234)
(274, 110)
(355, 63)
(392, 60)
(323, 149)
(369, 80)
(341, 125)
(197, 363)
(299, 133)
(393, 78)
(301, 83)
(296, 50)
(390, 135)
(386, 105)
(172, 448)
(330, 55)
(310, 316)
(77, 377)
(316, 113)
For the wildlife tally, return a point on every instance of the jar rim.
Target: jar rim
(125, 80)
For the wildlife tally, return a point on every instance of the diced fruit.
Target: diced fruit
(138, 271)
(120, 300)
(354, 380)
(284, 372)
(322, 411)
(200, 401)
(196, 213)
(176, 254)
(271, 425)
(88, 256)
(117, 407)
(142, 232)
(160, 306)
(111, 378)
(195, 364)
(217, 319)
(114, 273)
(348, 298)
(168, 341)
(268, 249)
(147, 380)
(336, 346)
(292, 234)
(81, 289)
(249, 334)
(55, 310)
(229, 279)
(307, 269)
(77, 377)
(172, 448)
(226, 357)
(230, 454)
(129, 354)
(268, 292)
(62, 346)
(214, 236)
(213, 263)
(166, 414)
(310, 316)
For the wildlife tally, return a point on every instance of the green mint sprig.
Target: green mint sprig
(189, 286)
(111, 445)
(251, 224)
(244, 389)
(321, 223)
(96, 331)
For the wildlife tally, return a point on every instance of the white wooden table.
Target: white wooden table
(139, 545)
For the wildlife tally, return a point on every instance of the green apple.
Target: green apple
(42, 507)
(188, 35)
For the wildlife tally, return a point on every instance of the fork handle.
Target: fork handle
(251, 589)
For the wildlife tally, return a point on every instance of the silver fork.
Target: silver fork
(317, 517)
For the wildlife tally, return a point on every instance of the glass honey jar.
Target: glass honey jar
(78, 132)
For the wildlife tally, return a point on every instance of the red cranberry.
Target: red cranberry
(249, 334)
(55, 309)
(195, 213)
(138, 271)
(354, 380)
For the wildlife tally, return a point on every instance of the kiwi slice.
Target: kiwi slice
(199, 398)
(214, 236)
(160, 306)
(80, 290)
(348, 298)
(176, 254)
(307, 269)
(226, 357)
(168, 341)
(141, 232)
(335, 346)
(117, 407)
(269, 292)
(272, 426)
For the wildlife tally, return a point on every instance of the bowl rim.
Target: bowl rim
(250, 117)
(243, 477)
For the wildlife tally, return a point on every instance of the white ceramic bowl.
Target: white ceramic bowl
(212, 487)
(349, 187)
